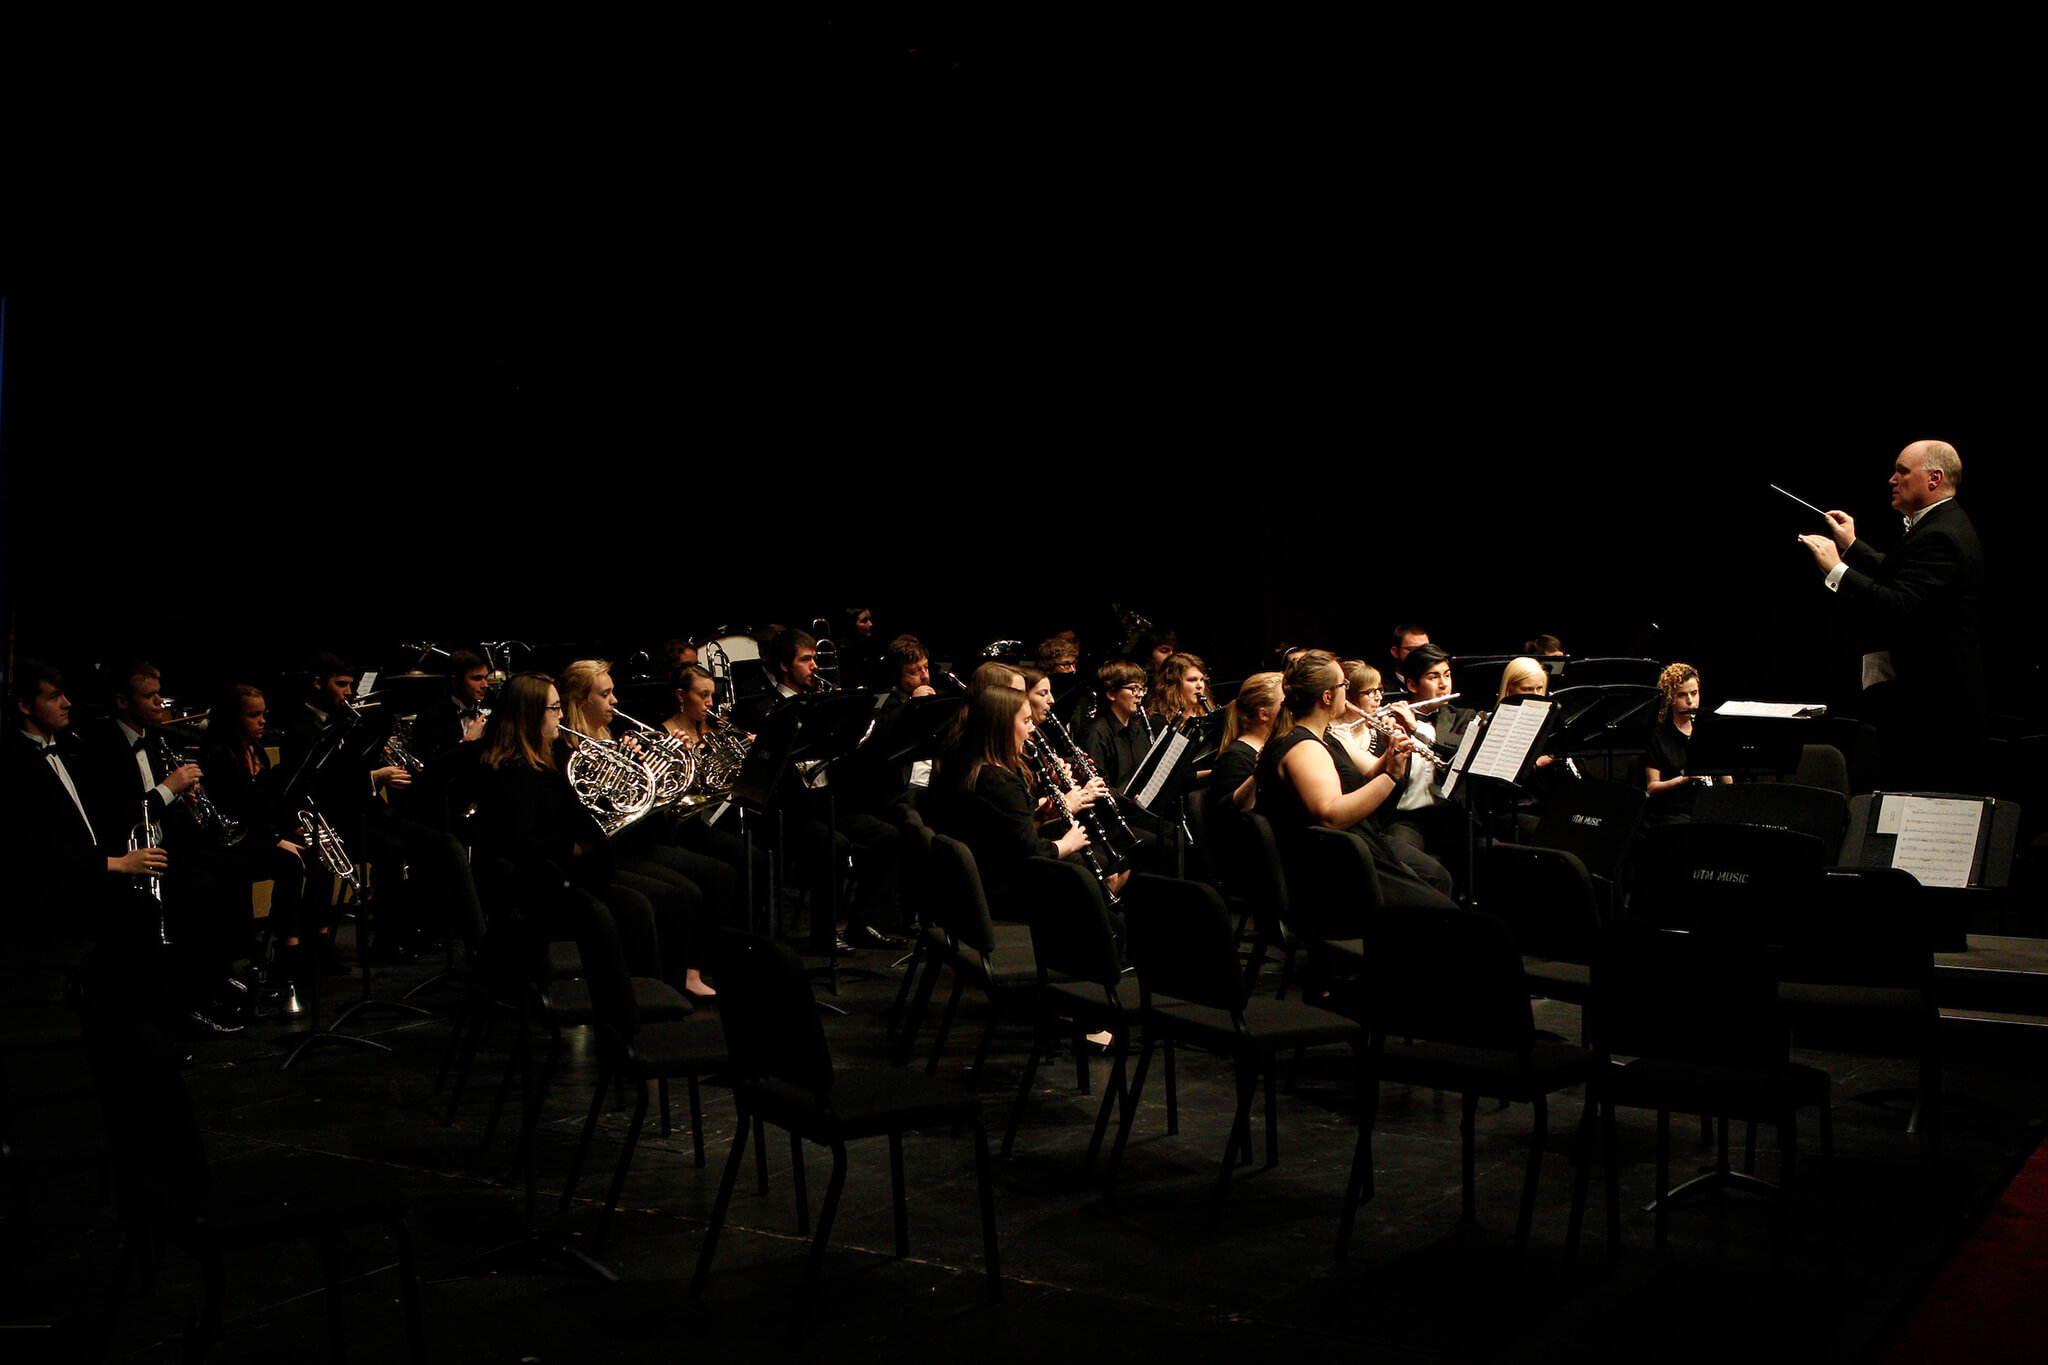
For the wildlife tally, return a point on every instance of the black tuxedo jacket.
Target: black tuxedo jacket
(54, 865)
(1923, 602)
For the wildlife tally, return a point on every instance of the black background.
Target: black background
(593, 338)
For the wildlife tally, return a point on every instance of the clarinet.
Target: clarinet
(1041, 759)
(1117, 831)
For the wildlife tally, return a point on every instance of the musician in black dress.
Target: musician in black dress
(692, 893)
(1253, 719)
(1671, 790)
(1305, 781)
(982, 796)
(539, 852)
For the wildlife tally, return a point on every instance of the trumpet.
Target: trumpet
(326, 844)
(146, 833)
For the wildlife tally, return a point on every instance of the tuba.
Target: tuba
(613, 785)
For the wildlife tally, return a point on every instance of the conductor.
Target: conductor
(1915, 611)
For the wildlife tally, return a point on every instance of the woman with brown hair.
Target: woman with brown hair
(1179, 692)
(1305, 781)
(532, 828)
(982, 796)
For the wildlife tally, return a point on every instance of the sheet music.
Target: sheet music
(1888, 808)
(366, 684)
(1508, 740)
(1165, 755)
(1790, 710)
(1937, 839)
(1450, 777)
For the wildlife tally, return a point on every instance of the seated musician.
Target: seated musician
(1671, 790)
(1303, 781)
(1546, 646)
(982, 795)
(875, 846)
(1420, 819)
(1058, 655)
(1119, 737)
(458, 718)
(1252, 719)
(538, 848)
(1404, 637)
(1353, 728)
(692, 893)
(1179, 691)
(243, 784)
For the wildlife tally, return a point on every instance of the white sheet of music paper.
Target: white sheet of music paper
(1888, 808)
(1175, 744)
(1508, 740)
(1937, 839)
(1787, 709)
(1449, 781)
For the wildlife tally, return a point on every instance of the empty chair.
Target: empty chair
(1185, 952)
(1819, 811)
(995, 959)
(1080, 981)
(783, 1075)
(640, 1047)
(1697, 1016)
(1447, 1008)
(1700, 876)
(1547, 899)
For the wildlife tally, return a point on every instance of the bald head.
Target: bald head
(1925, 473)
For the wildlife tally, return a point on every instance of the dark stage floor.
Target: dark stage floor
(1136, 1273)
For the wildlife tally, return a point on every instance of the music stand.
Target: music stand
(1744, 746)
(1609, 672)
(1492, 769)
(754, 789)
(833, 726)
(1612, 720)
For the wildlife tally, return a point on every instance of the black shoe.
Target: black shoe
(866, 936)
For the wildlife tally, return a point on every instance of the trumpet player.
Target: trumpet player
(208, 930)
(68, 871)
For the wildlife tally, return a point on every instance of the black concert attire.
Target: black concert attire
(692, 894)
(1668, 749)
(55, 868)
(996, 821)
(1916, 611)
(208, 929)
(1115, 748)
(1291, 819)
(1235, 762)
(242, 783)
(440, 726)
(1421, 825)
(531, 827)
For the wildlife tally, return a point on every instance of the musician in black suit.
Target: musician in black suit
(1423, 822)
(144, 772)
(1916, 612)
(459, 717)
(67, 869)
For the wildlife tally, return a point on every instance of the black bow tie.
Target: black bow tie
(139, 745)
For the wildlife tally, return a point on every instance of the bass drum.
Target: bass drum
(737, 647)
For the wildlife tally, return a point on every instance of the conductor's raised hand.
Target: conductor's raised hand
(1842, 527)
(1824, 552)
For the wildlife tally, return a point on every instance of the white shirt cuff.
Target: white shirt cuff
(1834, 578)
